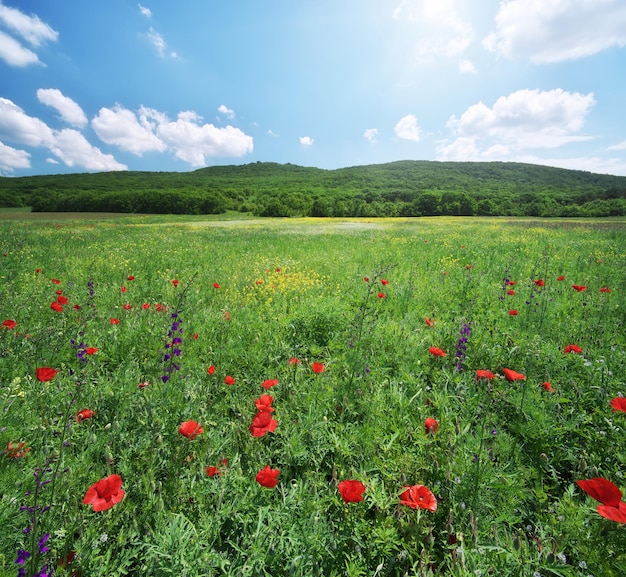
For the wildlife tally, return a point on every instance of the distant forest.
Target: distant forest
(404, 188)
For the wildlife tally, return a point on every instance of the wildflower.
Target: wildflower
(269, 383)
(76, 307)
(547, 386)
(512, 375)
(195, 336)
(510, 282)
(258, 281)
(127, 307)
(264, 403)
(130, 277)
(229, 380)
(579, 288)
(226, 315)
(216, 285)
(115, 321)
(419, 497)
(572, 349)
(510, 292)
(262, 424)
(351, 491)
(539, 282)
(318, 367)
(9, 324)
(41, 544)
(618, 404)
(91, 350)
(560, 278)
(123, 289)
(212, 471)
(431, 426)
(437, 352)
(84, 414)
(56, 281)
(55, 306)
(605, 289)
(609, 495)
(21, 557)
(267, 477)
(190, 429)
(293, 361)
(381, 295)
(513, 312)
(211, 370)
(384, 281)
(37, 270)
(45, 374)
(366, 279)
(175, 282)
(429, 322)
(144, 384)
(17, 451)
(145, 306)
(484, 374)
(105, 493)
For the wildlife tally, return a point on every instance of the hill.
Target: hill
(403, 188)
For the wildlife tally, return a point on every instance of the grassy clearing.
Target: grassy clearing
(249, 298)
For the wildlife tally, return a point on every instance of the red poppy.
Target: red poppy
(190, 429)
(84, 414)
(381, 295)
(229, 380)
(512, 375)
(572, 349)
(429, 322)
(269, 383)
(384, 281)
(105, 493)
(212, 471)
(561, 278)
(318, 367)
(510, 292)
(293, 361)
(127, 307)
(484, 374)
(262, 424)
(9, 324)
(437, 352)
(160, 308)
(62, 300)
(91, 350)
(547, 386)
(130, 277)
(45, 374)
(145, 306)
(211, 370)
(115, 321)
(264, 403)
(539, 282)
(267, 477)
(56, 281)
(579, 288)
(513, 312)
(144, 384)
(216, 285)
(351, 491)
(469, 266)
(123, 289)
(601, 490)
(618, 404)
(226, 315)
(175, 282)
(605, 289)
(55, 306)
(195, 336)
(617, 513)
(419, 497)
(37, 270)
(510, 283)
(16, 451)
(76, 307)
(258, 281)
(431, 426)
(366, 279)
(59, 292)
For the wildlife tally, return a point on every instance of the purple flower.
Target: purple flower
(42, 543)
(22, 556)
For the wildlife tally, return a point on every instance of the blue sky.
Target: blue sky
(175, 86)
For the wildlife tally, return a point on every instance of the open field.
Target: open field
(166, 332)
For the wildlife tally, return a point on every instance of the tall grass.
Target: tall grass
(153, 304)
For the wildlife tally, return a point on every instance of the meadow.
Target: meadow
(194, 396)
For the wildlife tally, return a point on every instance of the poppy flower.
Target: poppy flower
(190, 429)
(144, 384)
(293, 361)
(262, 424)
(484, 374)
(510, 292)
(539, 282)
(130, 277)
(318, 367)
(608, 494)
(381, 295)
(76, 307)
(229, 380)
(513, 376)
(123, 289)
(510, 283)
(351, 491)
(258, 281)
(55, 306)
(9, 324)
(91, 350)
(127, 307)
(618, 404)
(105, 493)
(547, 386)
(269, 383)
(419, 497)
(212, 471)
(560, 278)
(384, 281)
(145, 306)
(216, 285)
(175, 282)
(84, 414)
(62, 300)
(211, 370)
(115, 321)
(16, 451)
(431, 426)
(366, 279)
(605, 289)
(226, 315)
(437, 352)
(264, 403)
(37, 270)
(429, 322)
(579, 288)
(267, 477)
(513, 312)
(56, 281)
(45, 374)
(572, 349)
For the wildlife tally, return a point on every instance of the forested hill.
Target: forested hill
(403, 188)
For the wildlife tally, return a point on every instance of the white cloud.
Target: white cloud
(145, 11)
(545, 31)
(223, 109)
(70, 112)
(17, 126)
(466, 67)
(371, 134)
(270, 132)
(14, 54)
(407, 128)
(75, 150)
(52, 161)
(11, 158)
(618, 146)
(306, 141)
(157, 41)
(31, 28)
(120, 127)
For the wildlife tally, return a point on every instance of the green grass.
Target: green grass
(502, 465)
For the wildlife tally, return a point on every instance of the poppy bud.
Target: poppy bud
(107, 426)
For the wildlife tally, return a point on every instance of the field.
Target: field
(312, 397)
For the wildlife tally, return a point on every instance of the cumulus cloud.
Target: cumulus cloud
(12, 158)
(223, 109)
(17, 126)
(544, 31)
(157, 41)
(145, 11)
(618, 146)
(466, 67)
(523, 120)
(306, 141)
(30, 28)
(75, 150)
(70, 112)
(371, 134)
(407, 128)
(14, 54)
